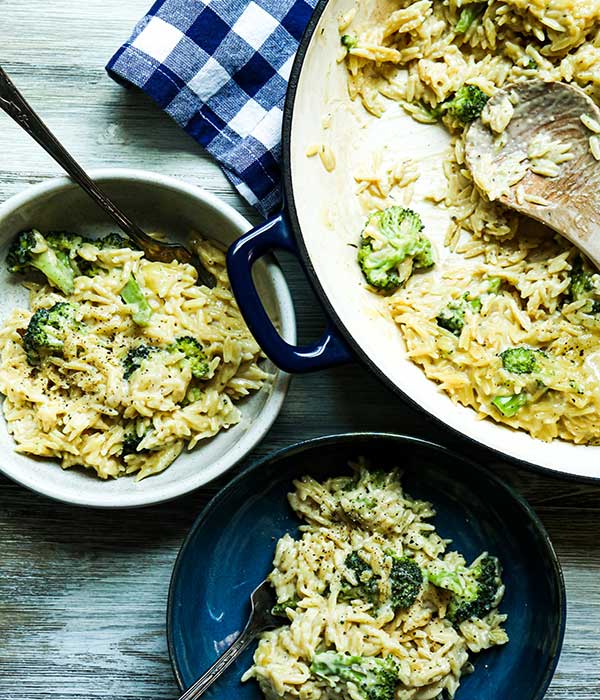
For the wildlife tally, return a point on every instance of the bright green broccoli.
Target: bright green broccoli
(349, 41)
(194, 355)
(476, 590)
(47, 329)
(521, 360)
(366, 587)
(140, 308)
(510, 405)
(135, 357)
(387, 261)
(466, 104)
(467, 16)
(452, 316)
(30, 250)
(371, 678)
(406, 579)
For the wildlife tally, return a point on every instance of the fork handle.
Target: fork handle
(222, 663)
(17, 107)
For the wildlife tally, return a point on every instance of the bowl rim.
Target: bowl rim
(301, 446)
(261, 424)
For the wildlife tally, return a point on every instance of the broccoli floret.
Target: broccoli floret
(130, 444)
(112, 240)
(132, 439)
(193, 394)
(366, 588)
(187, 345)
(388, 264)
(511, 404)
(135, 357)
(140, 308)
(475, 590)
(372, 678)
(67, 243)
(520, 360)
(581, 286)
(467, 16)
(280, 609)
(194, 355)
(30, 250)
(406, 579)
(45, 334)
(452, 316)
(466, 104)
(57, 255)
(581, 282)
(349, 41)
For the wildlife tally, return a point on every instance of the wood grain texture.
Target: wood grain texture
(83, 593)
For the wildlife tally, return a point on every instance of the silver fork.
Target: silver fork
(261, 619)
(17, 107)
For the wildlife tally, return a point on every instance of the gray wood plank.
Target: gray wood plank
(83, 593)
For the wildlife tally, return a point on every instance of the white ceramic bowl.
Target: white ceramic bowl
(160, 204)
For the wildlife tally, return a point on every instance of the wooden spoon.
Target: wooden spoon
(569, 202)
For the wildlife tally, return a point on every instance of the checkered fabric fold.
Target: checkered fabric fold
(220, 69)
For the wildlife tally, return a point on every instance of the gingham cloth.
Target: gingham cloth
(220, 69)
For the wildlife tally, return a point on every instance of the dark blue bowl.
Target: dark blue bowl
(230, 548)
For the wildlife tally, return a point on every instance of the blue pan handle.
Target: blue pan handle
(274, 234)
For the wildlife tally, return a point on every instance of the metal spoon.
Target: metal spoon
(571, 200)
(261, 619)
(15, 105)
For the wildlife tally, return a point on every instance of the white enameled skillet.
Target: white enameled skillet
(320, 221)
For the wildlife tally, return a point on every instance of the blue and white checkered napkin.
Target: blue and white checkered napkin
(220, 69)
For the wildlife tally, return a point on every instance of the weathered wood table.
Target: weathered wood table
(83, 593)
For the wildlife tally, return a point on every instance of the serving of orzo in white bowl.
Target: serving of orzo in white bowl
(72, 411)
